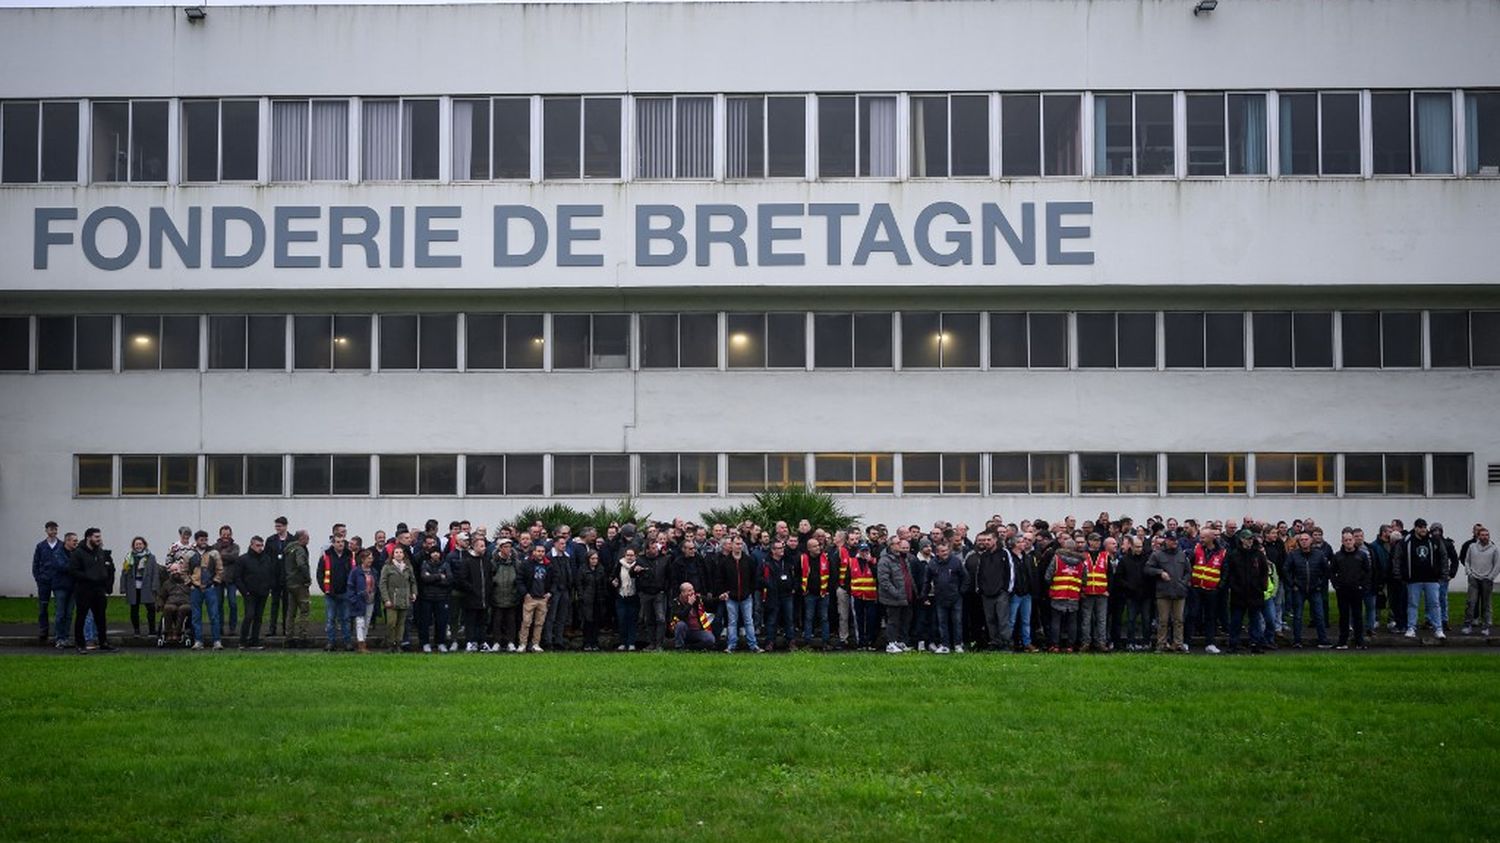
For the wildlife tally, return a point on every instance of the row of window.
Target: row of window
(594, 475)
(978, 135)
(907, 340)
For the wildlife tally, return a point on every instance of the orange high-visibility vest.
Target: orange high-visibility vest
(1207, 570)
(1067, 581)
(861, 580)
(823, 571)
(1096, 583)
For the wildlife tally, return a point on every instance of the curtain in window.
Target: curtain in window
(919, 137)
(653, 132)
(1255, 134)
(1434, 133)
(380, 141)
(1101, 137)
(289, 140)
(1471, 133)
(330, 140)
(463, 139)
(882, 134)
(1284, 126)
(695, 137)
(737, 138)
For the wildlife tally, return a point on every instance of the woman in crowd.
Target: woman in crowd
(139, 575)
(361, 597)
(398, 587)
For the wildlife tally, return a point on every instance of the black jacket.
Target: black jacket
(471, 580)
(592, 590)
(689, 569)
(779, 577)
(334, 567)
(90, 569)
(1130, 578)
(991, 572)
(436, 579)
(256, 572)
(1246, 573)
(1351, 569)
(534, 579)
(652, 579)
(739, 578)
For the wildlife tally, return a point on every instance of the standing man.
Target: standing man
(1020, 559)
(1482, 561)
(992, 580)
(1099, 564)
(333, 580)
(738, 578)
(780, 578)
(229, 554)
(206, 570)
(817, 573)
(897, 590)
(276, 545)
(1307, 583)
(257, 576)
(48, 566)
(1203, 598)
(1246, 576)
(534, 576)
(650, 572)
(947, 580)
(92, 573)
(1421, 562)
(1065, 586)
(564, 583)
(862, 596)
(1350, 571)
(1170, 567)
(298, 580)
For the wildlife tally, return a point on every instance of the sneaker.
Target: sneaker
(426, 648)
(1467, 630)
(1410, 633)
(630, 649)
(1441, 635)
(197, 645)
(1182, 648)
(756, 650)
(469, 647)
(1342, 647)
(1485, 632)
(903, 646)
(958, 648)
(536, 648)
(921, 646)
(1211, 650)
(1325, 645)
(510, 647)
(892, 648)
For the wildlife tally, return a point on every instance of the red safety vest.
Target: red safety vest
(1067, 581)
(861, 579)
(1207, 570)
(823, 572)
(1096, 583)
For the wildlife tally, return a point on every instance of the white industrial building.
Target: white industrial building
(1034, 257)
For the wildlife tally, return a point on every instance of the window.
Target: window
(1400, 150)
(491, 138)
(399, 140)
(503, 474)
(1448, 332)
(220, 140)
(413, 474)
(852, 340)
(1484, 328)
(40, 142)
(75, 343)
(856, 474)
(15, 343)
(1133, 135)
(1123, 474)
(766, 137)
(426, 341)
(940, 474)
(158, 342)
(1198, 340)
(1294, 474)
(1206, 474)
(331, 474)
(766, 340)
(1020, 473)
(674, 474)
(1390, 339)
(247, 342)
(1451, 474)
(1022, 340)
(1062, 139)
(309, 140)
(1320, 133)
(857, 136)
(686, 341)
(674, 137)
(331, 342)
(95, 475)
(1293, 340)
(590, 474)
(590, 341)
(1116, 340)
(1039, 135)
(1385, 474)
(1273, 340)
(939, 340)
(1482, 133)
(129, 141)
(751, 473)
(950, 135)
(1226, 134)
(158, 475)
(503, 341)
(1390, 132)
(581, 137)
(232, 475)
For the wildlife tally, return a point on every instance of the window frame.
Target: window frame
(41, 104)
(308, 137)
(130, 167)
(182, 140)
(990, 144)
(674, 162)
(622, 168)
(244, 484)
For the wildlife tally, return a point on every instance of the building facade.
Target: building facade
(375, 264)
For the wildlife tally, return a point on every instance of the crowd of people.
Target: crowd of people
(1100, 585)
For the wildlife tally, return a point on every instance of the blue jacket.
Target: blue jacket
(947, 579)
(49, 566)
(356, 593)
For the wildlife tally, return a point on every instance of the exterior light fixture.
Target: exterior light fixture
(1204, 7)
(197, 14)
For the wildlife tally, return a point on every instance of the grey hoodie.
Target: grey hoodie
(1483, 561)
(1175, 563)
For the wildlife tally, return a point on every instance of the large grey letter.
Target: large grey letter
(283, 236)
(672, 233)
(734, 237)
(567, 234)
(881, 219)
(426, 236)
(189, 249)
(1057, 232)
(503, 215)
(91, 232)
(963, 241)
(43, 237)
(992, 219)
(338, 238)
(222, 215)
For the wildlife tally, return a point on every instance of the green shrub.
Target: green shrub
(623, 511)
(551, 516)
(790, 504)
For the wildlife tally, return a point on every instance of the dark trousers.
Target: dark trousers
(1396, 599)
(255, 605)
(973, 618)
(1202, 615)
(559, 611)
(89, 600)
(135, 617)
(43, 594)
(432, 616)
(866, 620)
(1041, 619)
(949, 624)
(780, 615)
(897, 619)
(1064, 626)
(280, 605)
(1135, 627)
(474, 628)
(503, 623)
(1351, 615)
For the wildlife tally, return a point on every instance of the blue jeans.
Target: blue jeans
(206, 598)
(62, 627)
(950, 624)
(866, 620)
(1020, 613)
(1297, 597)
(1237, 617)
(1371, 618)
(813, 605)
(1269, 613)
(43, 594)
(779, 615)
(337, 609)
(231, 594)
(627, 610)
(1415, 591)
(697, 639)
(741, 612)
(1443, 600)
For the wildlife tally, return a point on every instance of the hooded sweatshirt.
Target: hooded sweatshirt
(1483, 561)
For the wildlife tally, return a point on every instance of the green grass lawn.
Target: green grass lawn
(308, 746)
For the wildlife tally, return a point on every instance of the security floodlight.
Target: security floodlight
(1204, 7)
(196, 14)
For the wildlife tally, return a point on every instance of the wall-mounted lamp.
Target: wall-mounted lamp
(1204, 7)
(197, 14)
